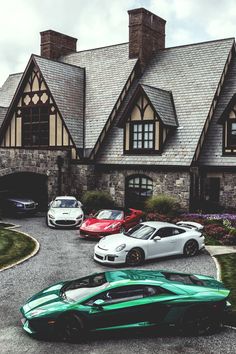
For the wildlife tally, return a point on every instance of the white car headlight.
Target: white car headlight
(51, 216)
(121, 247)
(19, 205)
(79, 216)
(37, 312)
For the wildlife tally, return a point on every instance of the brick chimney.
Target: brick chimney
(55, 44)
(146, 34)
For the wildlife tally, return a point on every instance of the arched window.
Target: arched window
(138, 189)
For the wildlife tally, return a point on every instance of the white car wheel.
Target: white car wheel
(135, 257)
(191, 248)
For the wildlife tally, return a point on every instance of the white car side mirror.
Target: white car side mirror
(157, 238)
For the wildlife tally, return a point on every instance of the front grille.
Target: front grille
(29, 206)
(65, 222)
(99, 257)
(111, 258)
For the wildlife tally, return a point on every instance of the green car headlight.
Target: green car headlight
(121, 247)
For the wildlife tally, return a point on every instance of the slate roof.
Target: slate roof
(211, 154)
(107, 70)
(163, 104)
(192, 73)
(66, 84)
(3, 111)
(8, 89)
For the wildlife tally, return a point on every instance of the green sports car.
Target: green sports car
(127, 299)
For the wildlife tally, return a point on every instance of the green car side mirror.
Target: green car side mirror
(98, 303)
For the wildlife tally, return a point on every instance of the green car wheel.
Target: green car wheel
(70, 328)
(197, 322)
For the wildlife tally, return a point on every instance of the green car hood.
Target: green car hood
(47, 298)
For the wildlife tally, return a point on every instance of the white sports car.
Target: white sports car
(148, 240)
(65, 211)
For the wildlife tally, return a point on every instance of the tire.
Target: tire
(135, 257)
(70, 328)
(46, 221)
(197, 322)
(191, 248)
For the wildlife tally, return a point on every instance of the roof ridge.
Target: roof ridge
(92, 49)
(57, 61)
(199, 43)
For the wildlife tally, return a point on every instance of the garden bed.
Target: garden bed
(228, 276)
(219, 229)
(14, 247)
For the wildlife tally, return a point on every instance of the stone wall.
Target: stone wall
(42, 162)
(228, 190)
(75, 179)
(173, 183)
(82, 179)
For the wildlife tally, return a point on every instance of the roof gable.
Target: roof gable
(161, 101)
(192, 73)
(107, 70)
(228, 108)
(66, 84)
(163, 104)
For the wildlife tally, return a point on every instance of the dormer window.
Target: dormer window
(228, 119)
(232, 132)
(142, 135)
(147, 120)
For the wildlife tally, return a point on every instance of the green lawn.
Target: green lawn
(228, 276)
(14, 246)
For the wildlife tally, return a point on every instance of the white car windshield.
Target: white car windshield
(141, 231)
(109, 215)
(65, 203)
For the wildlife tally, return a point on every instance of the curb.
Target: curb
(32, 254)
(218, 276)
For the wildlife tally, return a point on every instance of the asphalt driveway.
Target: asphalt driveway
(64, 256)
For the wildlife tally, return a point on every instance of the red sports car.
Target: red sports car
(107, 222)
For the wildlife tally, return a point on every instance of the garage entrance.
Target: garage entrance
(26, 184)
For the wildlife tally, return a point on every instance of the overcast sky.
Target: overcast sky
(98, 23)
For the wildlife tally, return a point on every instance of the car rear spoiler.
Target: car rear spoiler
(190, 225)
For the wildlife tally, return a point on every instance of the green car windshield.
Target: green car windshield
(140, 231)
(78, 289)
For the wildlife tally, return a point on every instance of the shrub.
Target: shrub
(158, 217)
(95, 200)
(162, 204)
(229, 240)
(215, 231)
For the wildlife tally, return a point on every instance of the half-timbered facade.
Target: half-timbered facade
(134, 119)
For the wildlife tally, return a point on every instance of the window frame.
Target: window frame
(230, 123)
(140, 177)
(28, 127)
(142, 123)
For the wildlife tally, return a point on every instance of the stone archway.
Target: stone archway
(26, 184)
